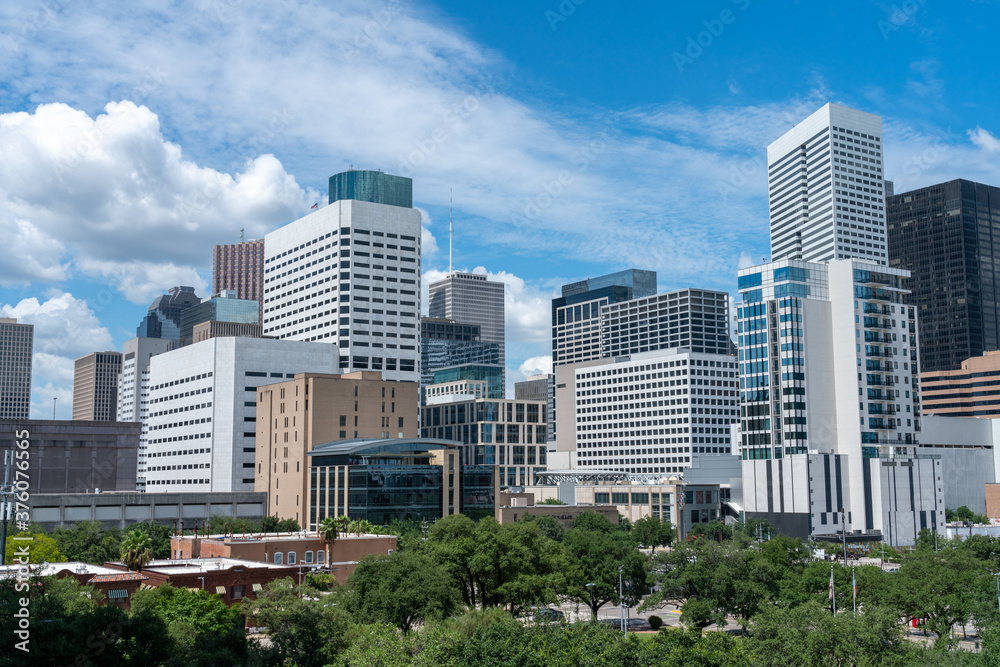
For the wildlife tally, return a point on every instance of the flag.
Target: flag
(316, 205)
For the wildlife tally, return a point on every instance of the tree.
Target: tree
(87, 542)
(595, 560)
(159, 538)
(652, 532)
(40, 549)
(328, 533)
(136, 550)
(289, 526)
(549, 525)
(594, 521)
(451, 541)
(401, 589)
(939, 588)
(308, 630)
(551, 501)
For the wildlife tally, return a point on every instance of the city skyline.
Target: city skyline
(664, 157)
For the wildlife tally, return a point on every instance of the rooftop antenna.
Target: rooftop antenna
(451, 232)
(241, 235)
(54, 399)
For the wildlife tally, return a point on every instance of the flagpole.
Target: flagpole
(854, 585)
(833, 599)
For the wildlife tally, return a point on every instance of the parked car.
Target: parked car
(549, 615)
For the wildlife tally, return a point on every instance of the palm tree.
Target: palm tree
(136, 550)
(328, 532)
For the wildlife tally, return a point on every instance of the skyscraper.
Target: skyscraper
(376, 187)
(95, 386)
(223, 307)
(349, 274)
(576, 315)
(695, 319)
(445, 343)
(240, 267)
(16, 346)
(470, 298)
(826, 188)
(133, 391)
(164, 317)
(944, 235)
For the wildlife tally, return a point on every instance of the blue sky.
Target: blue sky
(579, 137)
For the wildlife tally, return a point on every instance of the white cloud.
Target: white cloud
(537, 365)
(65, 328)
(984, 140)
(119, 202)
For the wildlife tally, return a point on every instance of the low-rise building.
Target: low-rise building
(971, 391)
(298, 548)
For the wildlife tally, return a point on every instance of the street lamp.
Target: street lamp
(590, 587)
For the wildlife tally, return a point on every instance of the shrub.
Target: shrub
(655, 622)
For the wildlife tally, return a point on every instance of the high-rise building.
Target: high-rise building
(16, 348)
(445, 343)
(576, 315)
(944, 236)
(491, 374)
(202, 409)
(133, 391)
(240, 267)
(695, 319)
(223, 307)
(214, 329)
(376, 187)
(164, 317)
(647, 412)
(295, 416)
(470, 298)
(830, 400)
(349, 274)
(95, 386)
(971, 391)
(826, 188)
(504, 433)
(534, 388)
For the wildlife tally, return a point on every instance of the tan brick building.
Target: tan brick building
(311, 409)
(971, 391)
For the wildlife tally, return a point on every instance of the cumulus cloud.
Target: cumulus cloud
(985, 140)
(109, 197)
(65, 328)
(537, 365)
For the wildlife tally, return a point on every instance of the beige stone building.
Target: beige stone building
(95, 386)
(971, 391)
(311, 409)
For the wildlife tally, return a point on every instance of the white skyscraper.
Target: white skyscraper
(200, 409)
(349, 274)
(826, 188)
(133, 390)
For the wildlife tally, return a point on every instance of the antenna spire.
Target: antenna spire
(451, 232)
(241, 235)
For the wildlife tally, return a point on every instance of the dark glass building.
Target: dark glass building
(948, 237)
(164, 317)
(223, 307)
(377, 187)
(445, 343)
(400, 478)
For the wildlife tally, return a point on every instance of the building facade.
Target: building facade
(133, 391)
(470, 298)
(201, 409)
(76, 456)
(95, 386)
(491, 374)
(826, 188)
(163, 320)
(214, 329)
(16, 351)
(295, 416)
(830, 400)
(398, 479)
(943, 235)
(972, 391)
(223, 307)
(505, 433)
(695, 319)
(576, 315)
(376, 187)
(349, 274)
(646, 413)
(445, 343)
(240, 267)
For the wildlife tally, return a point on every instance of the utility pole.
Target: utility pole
(451, 232)
(8, 460)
